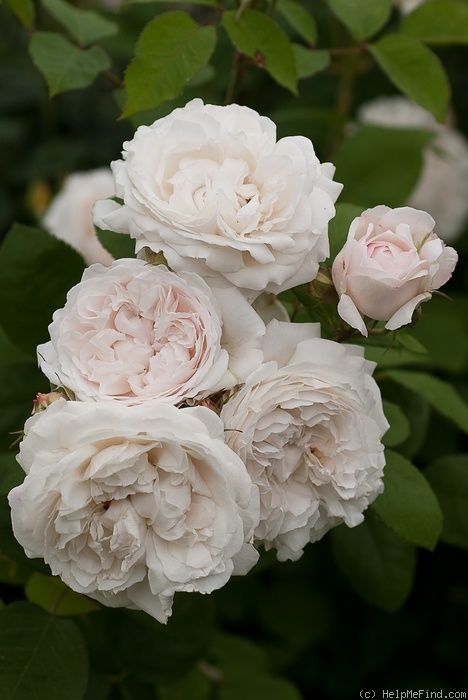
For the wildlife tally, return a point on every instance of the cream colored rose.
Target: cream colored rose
(134, 332)
(213, 189)
(70, 215)
(391, 262)
(443, 181)
(308, 424)
(130, 505)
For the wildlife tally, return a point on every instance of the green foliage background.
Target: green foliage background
(384, 605)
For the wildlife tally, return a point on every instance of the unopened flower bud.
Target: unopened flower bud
(42, 401)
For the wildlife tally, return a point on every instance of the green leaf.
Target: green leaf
(51, 594)
(171, 50)
(41, 657)
(339, 226)
(309, 62)
(442, 319)
(24, 10)
(162, 653)
(408, 505)
(417, 412)
(63, 65)
(394, 356)
(410, 343)
(299, 19)
(257, 687)
(439, 394)
(448, 477)
(377, 563)
(258, 36)
(236, 656)
(20, 383)
(399, 425)
(11, 473)
(36, 272)
(211, 3)
(86, 26)
(118, 244)
(415, 70)
(359, 165)
(439, 22)
(194, 685)
(362, 17)
(15, 567)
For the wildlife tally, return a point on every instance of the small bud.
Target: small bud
(42, 401)
(154, 258)
(322, 286)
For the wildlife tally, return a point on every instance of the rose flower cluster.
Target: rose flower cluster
(191, 422)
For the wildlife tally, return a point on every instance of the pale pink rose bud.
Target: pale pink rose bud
(391, 262)
(42, 401)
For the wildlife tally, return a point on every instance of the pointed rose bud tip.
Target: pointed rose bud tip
(42, 401)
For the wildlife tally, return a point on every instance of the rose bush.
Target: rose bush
(129, 505)
(135, 332)
(391, 262)
(308, 424)
(213, 189)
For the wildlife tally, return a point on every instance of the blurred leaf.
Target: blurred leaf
(442, 319)
(309, 62)
(362, 17)
(63, 65)
(439, 394)
(99, 687)
(415, 70)
(20, 383)
(236, 656)
(51, 594)
(171, 50)
(258, 36)
(302, 615)
(86, 26)
(408, 505)
(15, 567)
(211, 3)
(24, 10)
(359, 165)
(378, 564)
(399, 425)
(394, 356)
(118, 244)
(417, 412)
(36, 272)
(41, 656)
(448, 477)
(299, 19)
(193, 686)
(439, 22)
(410, 343)
(339, 226)
(162, 653)
(11, 473)
(257, 687)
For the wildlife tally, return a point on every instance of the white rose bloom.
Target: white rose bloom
(70, 215)
(443, 182)
(135, 332)
(130, 505)
(213, 189)
(308, 425)
(391, 263)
